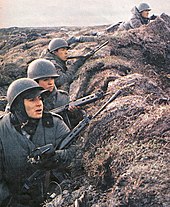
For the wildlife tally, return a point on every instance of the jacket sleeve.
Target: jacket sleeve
(135, 23)
(64, 156)
(4, 191)
(61, 130)
(77, 64)
(63, 76)
(69, 75)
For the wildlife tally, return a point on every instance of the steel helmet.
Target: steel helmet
(143, 7)
(19, 86)
(41, 68)
(57, 43)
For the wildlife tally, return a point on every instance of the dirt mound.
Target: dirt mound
(125, 148)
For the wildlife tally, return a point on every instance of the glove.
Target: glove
(46, 157)
(72, 40)
(153, 17)
(48, 163)
(60, 159)
(65, 157)
(41, 153)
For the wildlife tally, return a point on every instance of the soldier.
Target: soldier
(83, 38)
(57, 53)
(26, 127)
(140, 17)
(44, 73)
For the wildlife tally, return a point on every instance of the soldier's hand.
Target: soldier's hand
(153, 17)
(41, 153)
(72, 107)
(49, 163)
(60, 159)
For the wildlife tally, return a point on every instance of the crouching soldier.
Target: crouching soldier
(140, 16)
(57, 53)
(22, 130)
(44, 73)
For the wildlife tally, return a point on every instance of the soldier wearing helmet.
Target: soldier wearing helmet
(44, 73)
(57, 53)
(140, 16)
(22, 130)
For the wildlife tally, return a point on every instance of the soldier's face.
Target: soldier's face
(47, 83)
(34, 107)
(145, 14)
(62, 53)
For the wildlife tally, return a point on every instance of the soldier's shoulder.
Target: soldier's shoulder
(53, 61)
(3, 114)
(56, 116)
(49, 118)
(46, 55)
(43, 53)
(63, 92)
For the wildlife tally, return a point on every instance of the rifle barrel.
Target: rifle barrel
(113, 97)
(81, 102)
(74, 133)
(82, 124)
(91, 52)
(78, 56)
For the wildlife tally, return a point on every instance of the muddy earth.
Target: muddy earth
(125, 149)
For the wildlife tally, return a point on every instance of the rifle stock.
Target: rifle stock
(74, 133)
(29, 182)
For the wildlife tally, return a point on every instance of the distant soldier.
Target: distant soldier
(22, 130)
(83, 38)
(57, 53)
(140, 17)
(44, 73)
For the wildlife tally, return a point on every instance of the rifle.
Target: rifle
(82, 124)
(91, 53)
(49, 149)
(113, 27)
(36, 156)
(80, 102)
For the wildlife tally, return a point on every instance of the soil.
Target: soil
(125, 148)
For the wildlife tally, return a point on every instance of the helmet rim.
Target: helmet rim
(19, 86)
(57, 43)
(41, 68)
